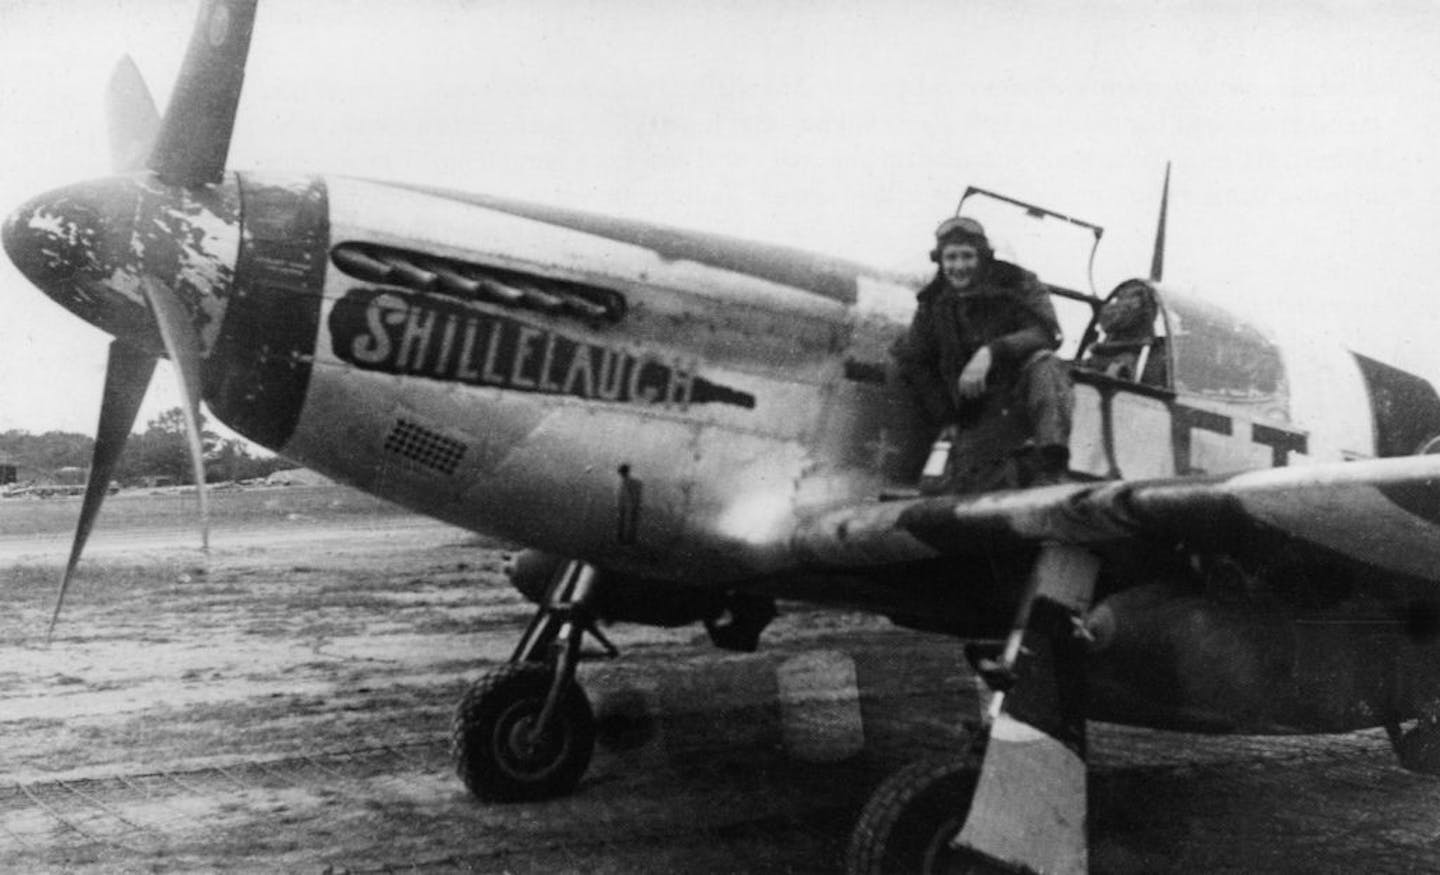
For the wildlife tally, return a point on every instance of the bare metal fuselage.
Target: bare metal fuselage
(677, 441)
(681, 410)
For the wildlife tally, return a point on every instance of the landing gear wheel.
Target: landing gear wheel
(497, 752)
(1419, 748)
(907, 825)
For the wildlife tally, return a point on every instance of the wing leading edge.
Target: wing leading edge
(1384, 512)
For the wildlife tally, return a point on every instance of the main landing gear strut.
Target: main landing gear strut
(524, 731)
(1014, 799)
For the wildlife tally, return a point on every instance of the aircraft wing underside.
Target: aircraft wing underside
(1383, 512)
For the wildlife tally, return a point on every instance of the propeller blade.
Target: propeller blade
(127, 376)
(194, 137)
(130, 117)
(182, 345)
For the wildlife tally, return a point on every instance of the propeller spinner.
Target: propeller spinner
(148, 256)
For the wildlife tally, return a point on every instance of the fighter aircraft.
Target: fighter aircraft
(685, 427)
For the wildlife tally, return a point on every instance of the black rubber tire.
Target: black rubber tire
(906, 826)
(1419, 748)
(488, 737)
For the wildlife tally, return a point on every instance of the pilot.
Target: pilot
(1127, 325)
(982, 342)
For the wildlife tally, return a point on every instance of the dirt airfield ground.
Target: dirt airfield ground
(285, 706)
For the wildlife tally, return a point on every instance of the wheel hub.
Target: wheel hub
(526, 750)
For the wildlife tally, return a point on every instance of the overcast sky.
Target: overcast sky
(1304, 135)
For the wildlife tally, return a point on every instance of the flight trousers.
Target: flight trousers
(1018, 434)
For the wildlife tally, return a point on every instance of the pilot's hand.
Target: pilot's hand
(972, 378)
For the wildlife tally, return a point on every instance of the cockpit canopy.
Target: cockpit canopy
(1172, 341)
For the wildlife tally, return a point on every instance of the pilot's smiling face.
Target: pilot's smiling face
(958, 263)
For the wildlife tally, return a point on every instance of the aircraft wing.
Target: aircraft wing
(1028, 804)
(1385, 512)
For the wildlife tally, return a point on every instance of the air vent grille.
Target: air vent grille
(424, 447)
(448, 276)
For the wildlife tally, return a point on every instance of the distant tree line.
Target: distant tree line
(160, 451)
